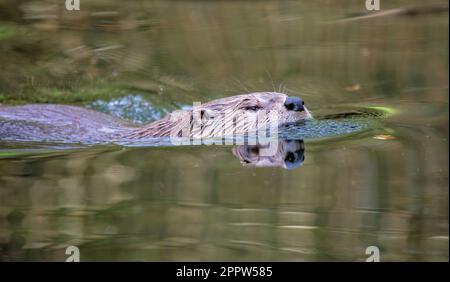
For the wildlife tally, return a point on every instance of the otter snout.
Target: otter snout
(294, 104)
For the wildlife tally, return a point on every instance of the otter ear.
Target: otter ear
(202, 114)
(206, 113)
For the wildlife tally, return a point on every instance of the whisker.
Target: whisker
(271, 79)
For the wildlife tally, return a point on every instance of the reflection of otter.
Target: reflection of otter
(213, 119)
(290, 154)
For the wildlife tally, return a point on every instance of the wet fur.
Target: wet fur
(223, 117)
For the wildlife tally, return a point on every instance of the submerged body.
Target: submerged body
(61, 123)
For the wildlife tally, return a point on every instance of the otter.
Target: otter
(217, 118)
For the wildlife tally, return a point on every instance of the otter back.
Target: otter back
(59, 123)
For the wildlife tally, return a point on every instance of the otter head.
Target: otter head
(290, 154)
(230, 116)
(244, 113)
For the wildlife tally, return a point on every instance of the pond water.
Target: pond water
(370, 170)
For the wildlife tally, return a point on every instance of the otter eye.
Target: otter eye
(252, 108)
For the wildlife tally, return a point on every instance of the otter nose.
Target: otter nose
(294, 104)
